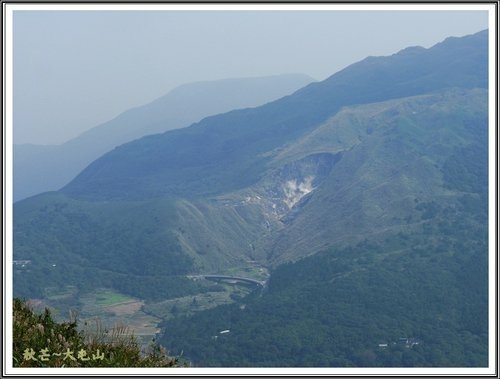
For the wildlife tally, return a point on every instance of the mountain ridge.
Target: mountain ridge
(257, 131)
(39, 168)
(297, 208)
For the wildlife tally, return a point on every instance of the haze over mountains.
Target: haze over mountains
(215, 150)
(373, 182)
(41, 168)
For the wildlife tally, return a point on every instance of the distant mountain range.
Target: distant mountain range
(375, 178)
(41, 168)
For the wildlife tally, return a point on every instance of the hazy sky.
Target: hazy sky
(76, 69)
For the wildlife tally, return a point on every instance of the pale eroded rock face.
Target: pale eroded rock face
(295, 191)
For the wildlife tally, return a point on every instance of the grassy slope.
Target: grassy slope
(395, 154)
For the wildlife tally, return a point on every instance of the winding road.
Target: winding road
(237, 278)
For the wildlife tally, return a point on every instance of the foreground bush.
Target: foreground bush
(39, 341)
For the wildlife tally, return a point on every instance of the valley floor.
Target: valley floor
(105, 309)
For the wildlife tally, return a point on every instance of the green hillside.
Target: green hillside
(374, 172)
(365, 195)
(412, 300)
(395, 156)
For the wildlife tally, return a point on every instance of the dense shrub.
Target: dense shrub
(39, 341)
